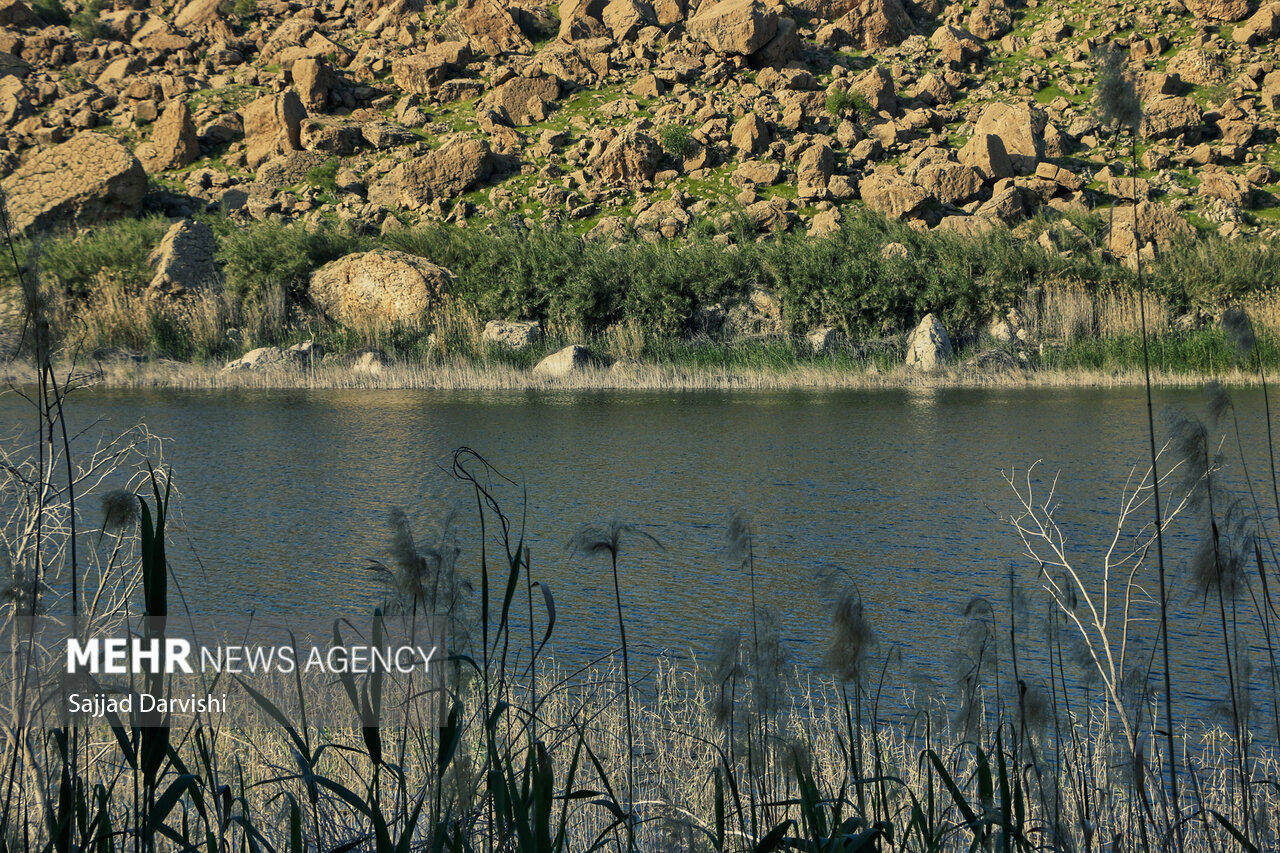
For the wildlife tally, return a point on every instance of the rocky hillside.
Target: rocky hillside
(662, 116)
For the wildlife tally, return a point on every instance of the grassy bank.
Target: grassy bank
(1178, 359)
(690, 302)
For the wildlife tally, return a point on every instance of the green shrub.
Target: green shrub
(840, 101)
(262, 258)
(85, 21)
(114, 254)
(676, 140)
(238, 9)
(52, 12)
(325, 176)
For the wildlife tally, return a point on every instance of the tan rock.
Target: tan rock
(625, 18)
(815, 169)
(750, 135)
(173, 142)
(1218, 10)
(928, 345)
(562, 363)
(525, 99)
(986, 153)
(272, 126)
(198, 13)
(185, 259)
(1019, 129)
(876, 85)
(869, 24)
(887, 191)
(581, 19)
(1224, 185)
(444, 173)
(1171, 117)
(630, 160)
(513, 334)
(756, 173)
(733, 26)
(1265, 24)
(379, 288)
(313, 78)
(16, 14)
(958, 47)
(949, 183)
(489, 26)
(91, 178)
(990, 19)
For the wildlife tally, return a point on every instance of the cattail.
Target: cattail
(1239, 328)
(851, 638)
(119, 510)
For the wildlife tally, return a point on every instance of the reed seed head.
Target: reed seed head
(119, 510)
(1118, 103)
(851, 637)
(1220, 402)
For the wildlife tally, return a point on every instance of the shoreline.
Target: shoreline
(470, 376)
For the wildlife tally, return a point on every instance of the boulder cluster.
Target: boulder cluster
(639, 114)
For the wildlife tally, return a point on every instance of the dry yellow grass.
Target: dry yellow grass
(472, 376)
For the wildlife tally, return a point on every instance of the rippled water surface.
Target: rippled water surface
(286, 494)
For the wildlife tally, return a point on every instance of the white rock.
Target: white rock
(928, 345)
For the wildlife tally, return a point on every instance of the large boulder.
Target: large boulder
(91, 178)
(513, 334)
(273, 126)
(198, 13)
(1265, 24)
(625, 18)
(1218, 10)
(1020, 129)
(423, 73)
(185, 259)
(733, 26)
(874, 24)
(313, 78)
(888, 192)
(949, 183)
(750, 135)
(449, 171)
(813, 172)
(379, 288)
(990, 19)
(16, 14)
(581, 19)
(630, 160)
(928, 345)
(489, 27)
(987, 154)
(1171, 117)
(174, 142)
(958, 47)
(563, 362)
(525, 99)
(1143, 229)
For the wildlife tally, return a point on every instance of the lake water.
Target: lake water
(285, 497)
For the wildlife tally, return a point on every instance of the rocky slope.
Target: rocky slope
(611, 114)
